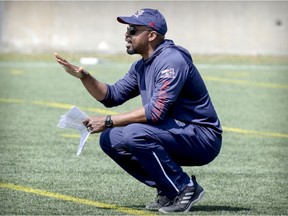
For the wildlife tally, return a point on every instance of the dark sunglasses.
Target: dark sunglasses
(131, 30)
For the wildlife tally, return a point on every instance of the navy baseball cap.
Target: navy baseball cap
(147, 17)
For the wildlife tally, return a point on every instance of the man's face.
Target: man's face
(137, 39)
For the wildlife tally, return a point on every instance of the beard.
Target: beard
(129, 47)
(130, 50)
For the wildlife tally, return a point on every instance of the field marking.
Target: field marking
(237, 74)
(11, 100)
(246, 82)
(106, 112)
(70, 135)
(254, 132)
(97, 204)
(16, 72)
(68, 106)
(226, 129)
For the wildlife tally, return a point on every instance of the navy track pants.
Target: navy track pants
(154, 154)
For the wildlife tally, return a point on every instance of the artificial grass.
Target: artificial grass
(248, 178)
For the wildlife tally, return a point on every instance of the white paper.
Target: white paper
(73, 119)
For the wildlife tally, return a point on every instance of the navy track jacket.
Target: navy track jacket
(170, 86)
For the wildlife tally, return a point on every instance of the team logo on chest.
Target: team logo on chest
(168, 73)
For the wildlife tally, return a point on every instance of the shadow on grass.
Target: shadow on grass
(218, 208)
(206, 208)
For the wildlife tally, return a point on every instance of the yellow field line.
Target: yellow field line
(254, 132)
(10, 100)
(70, 135)
(16, 72)
(226, 129)
(53, 104)
(106, 112)
(246, 82)
(68, 106)
(97, 204)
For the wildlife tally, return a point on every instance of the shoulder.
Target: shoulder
(172, 51)
(175, 56)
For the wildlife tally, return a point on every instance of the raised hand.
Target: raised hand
(69, 68)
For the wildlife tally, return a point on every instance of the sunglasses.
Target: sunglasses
(131, 30)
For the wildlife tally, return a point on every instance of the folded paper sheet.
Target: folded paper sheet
(73, 119)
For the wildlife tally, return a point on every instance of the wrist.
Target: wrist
(84, 74)
(108, 122)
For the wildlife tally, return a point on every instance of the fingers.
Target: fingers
(61, 60)
(65, 63)
(90, 129)
(86, 121)
(88, 125)
(69, 68)
(58, 57)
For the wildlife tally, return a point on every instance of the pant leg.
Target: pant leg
(153, 154)
(194, 145)
(135, 150)
(112, 143)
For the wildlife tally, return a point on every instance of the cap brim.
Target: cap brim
(129, 20)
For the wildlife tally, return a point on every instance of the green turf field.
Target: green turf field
(41, 175)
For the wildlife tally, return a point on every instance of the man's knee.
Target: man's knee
(111, 140)
(104, 140)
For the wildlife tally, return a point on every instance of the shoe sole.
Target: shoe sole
(152, 209)
(201, 195)
(191, 204)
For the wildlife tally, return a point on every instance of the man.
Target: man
(177, 124)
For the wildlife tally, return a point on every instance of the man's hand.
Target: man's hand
(69, 68)
(95, 124)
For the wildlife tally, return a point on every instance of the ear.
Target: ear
(152, 36)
